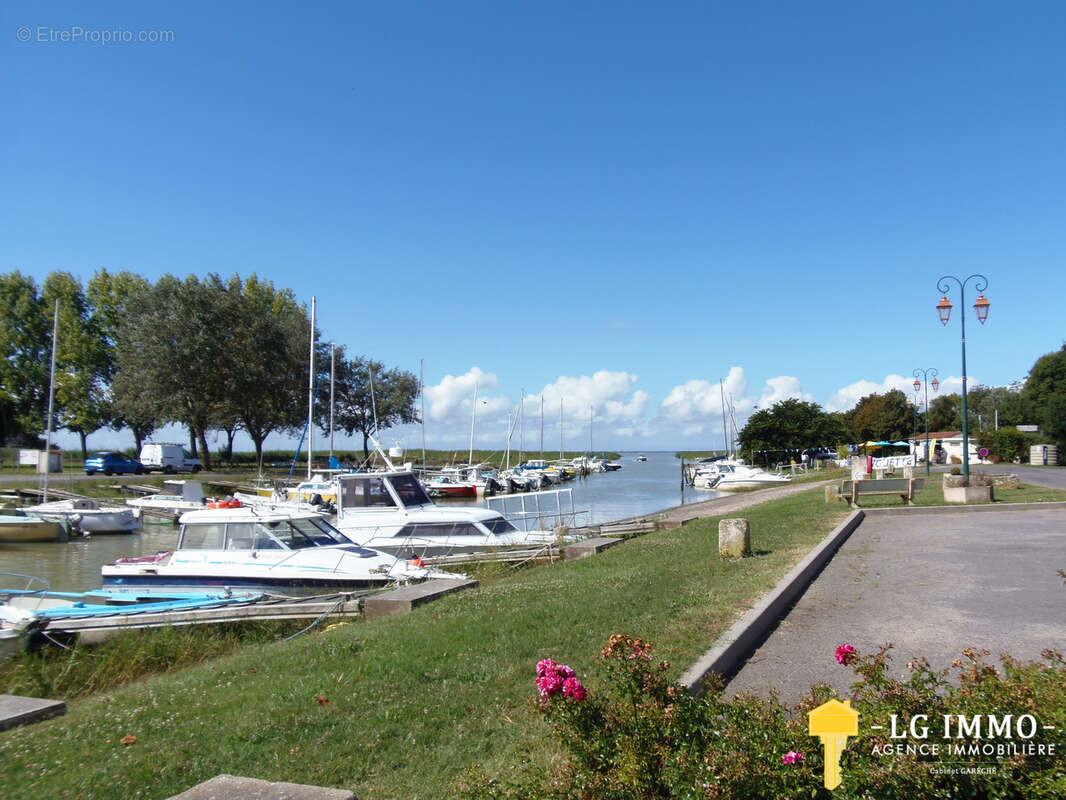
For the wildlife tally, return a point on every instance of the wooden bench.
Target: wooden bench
(904, 487)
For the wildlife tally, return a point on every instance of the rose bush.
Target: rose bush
(637, 735)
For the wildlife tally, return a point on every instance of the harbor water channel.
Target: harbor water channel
(639, 488)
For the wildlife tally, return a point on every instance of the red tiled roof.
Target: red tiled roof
(939, 435)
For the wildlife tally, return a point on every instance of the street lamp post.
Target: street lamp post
(944, 311)
(925, 373)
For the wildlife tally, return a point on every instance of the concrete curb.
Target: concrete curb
(734, 646)
(969, 509)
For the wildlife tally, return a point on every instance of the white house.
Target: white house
(945, 447)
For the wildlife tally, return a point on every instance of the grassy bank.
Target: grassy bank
(402, 707)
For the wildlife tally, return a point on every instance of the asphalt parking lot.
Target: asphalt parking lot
(931, 583)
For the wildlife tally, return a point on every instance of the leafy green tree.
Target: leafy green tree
(1045, 387)
(394, 394)
(1053, 423)
(789, 425)
(112, 297)
(1005, 444)
(25, 337)
(176, 343)
(82, 395)
(268, 392)
(945, 413)
(883, 417)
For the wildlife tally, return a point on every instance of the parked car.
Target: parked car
(112, 463)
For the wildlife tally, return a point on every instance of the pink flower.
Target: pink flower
(553, 678)
(572, 688)
(846, 654)
(792, 757)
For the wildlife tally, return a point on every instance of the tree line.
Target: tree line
(993, 414)
(211, 354)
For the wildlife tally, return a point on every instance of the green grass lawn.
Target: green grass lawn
(402, 707)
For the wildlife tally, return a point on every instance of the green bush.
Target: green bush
(640, 736)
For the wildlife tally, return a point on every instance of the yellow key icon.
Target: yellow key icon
(833, 722)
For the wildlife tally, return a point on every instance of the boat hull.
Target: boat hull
(279, 585)
(31, 531)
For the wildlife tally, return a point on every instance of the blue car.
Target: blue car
(112, 463)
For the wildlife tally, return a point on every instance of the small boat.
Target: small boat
(86, 516)
(17, 525)
(451, 483)
(642, 457)
(282, 551)
(191, 498)
(392, 513)
(725, 474)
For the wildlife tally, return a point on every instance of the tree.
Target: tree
(1046, 382)
(82, 397)
(271, 345)
(175, 345)
(113, 297)
(945, 413)
(394, 395)
(25, 336)
(883, 417)
(790, 425)
(1053, 423)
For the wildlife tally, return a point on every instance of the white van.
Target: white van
(168, 458)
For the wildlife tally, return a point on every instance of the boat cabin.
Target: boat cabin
(391, 490)
(267, 533)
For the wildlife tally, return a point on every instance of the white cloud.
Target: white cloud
(783, 387)
(698, 399)
(846, 397)
(612, 396)
(453, 397)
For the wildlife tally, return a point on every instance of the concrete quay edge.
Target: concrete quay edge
(734, 646)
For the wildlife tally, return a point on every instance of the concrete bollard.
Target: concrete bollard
(832, 494)
(734, 538)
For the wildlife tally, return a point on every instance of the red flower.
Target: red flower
(846, 654)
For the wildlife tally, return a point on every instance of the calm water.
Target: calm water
(637, 488)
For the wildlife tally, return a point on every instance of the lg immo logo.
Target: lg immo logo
(833, 722)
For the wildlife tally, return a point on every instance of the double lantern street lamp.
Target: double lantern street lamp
(925, 373)
(943, 308)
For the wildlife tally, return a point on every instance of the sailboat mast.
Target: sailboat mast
(422, 394)
(311, 393)
(473, 416)
(560, 429)
(725, 436)
(51, 398)
(542, 427)
(522, 429)
(332, 375)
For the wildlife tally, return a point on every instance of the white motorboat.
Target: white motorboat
(391, 512)
(281, 551)
(726, 474)
(190, 498)
(87, 516)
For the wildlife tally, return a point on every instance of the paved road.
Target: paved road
(931, 584)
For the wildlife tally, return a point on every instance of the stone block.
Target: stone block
(832, 493)
(232, 787)
(734, 538)
(588, 547)
(406, 598)
(967, 494)
(16, 710)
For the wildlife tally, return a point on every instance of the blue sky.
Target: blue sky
(616, 204)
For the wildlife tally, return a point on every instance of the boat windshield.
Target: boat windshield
(365, 491)
(409, 490)
(499, 525)
(292, 534)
